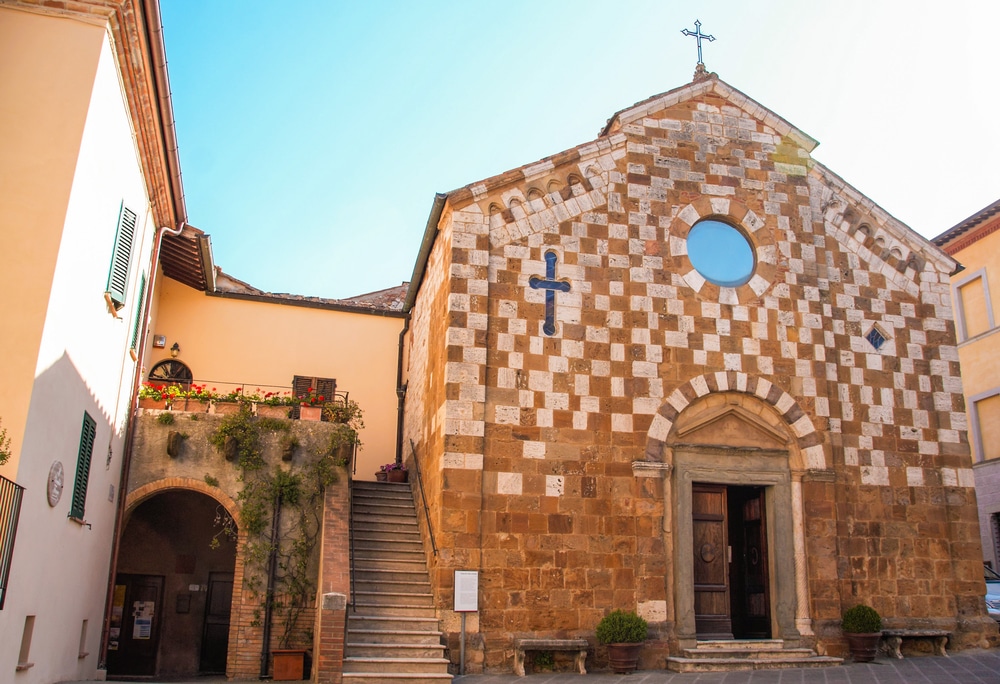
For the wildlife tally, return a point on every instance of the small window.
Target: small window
(87, 434)
(876, 337)
(988, 427)
(721, 253)
(973, 307)
(121, 257)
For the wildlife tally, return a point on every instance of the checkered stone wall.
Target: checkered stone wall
(568, 525)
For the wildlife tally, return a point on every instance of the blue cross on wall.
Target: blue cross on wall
(551, 286)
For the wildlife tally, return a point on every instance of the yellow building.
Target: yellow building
(88, 181)
(975, 290)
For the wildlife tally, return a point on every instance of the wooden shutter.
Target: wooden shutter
(87, 435)
(323, 386)
(137, 325)
(122, 256)
(327, 387)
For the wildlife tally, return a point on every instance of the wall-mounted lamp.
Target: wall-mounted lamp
(175, 350)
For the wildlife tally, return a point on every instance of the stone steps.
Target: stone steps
(745, 654)
(393, 632)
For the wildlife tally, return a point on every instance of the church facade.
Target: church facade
(609, 412)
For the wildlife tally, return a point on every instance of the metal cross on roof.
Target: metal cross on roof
(698, 35)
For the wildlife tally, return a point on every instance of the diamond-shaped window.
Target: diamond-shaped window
(875, 337)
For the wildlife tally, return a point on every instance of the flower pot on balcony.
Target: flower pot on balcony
(397, 475)
(268, 411)
(307, 412)
(289, 664)
(224, 408)
(158, 404)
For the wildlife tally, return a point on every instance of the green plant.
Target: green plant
(149, 390)
(861, 619)
(347, 412)
(621, 627)
(211, 481)
(280, 513)
(544, 660)
(5, 451)
(313, 398)
(165, 419)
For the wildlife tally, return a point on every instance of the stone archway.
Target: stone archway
(174, 585)
(733, 430)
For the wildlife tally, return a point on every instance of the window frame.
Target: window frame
(961, 328)
(975, 434)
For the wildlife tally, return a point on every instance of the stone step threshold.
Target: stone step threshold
(680, 664)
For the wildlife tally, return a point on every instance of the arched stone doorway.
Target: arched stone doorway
(173, 587)
(736, 449)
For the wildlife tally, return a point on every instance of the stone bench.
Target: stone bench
(523, 645)
(894, 639)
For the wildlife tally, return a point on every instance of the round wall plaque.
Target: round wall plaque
(55, 488)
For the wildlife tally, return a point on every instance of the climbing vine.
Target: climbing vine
(295, 495)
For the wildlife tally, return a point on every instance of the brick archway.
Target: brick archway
(808, 440)
(146, 491)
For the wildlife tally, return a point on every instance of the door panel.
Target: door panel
(711, 562)
(215, 637)
(134, 651)
(751, 605)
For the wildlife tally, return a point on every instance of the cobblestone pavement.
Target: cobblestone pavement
(967, 667)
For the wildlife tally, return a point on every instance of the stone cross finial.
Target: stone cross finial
(698, 35)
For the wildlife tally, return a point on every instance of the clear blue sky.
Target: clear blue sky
(314, 134)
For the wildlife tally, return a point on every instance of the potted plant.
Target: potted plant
(274, 405)
(311, 405)
(343, 442)
(862, 625)
(623, 633)
(159, 396)
(395, 472)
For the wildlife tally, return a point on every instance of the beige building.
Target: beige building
(685, 369)
(975, 291)
(88, 181)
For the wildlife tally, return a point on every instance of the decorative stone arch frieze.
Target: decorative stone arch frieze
(808, 440)
(753, 228)
(189, 484)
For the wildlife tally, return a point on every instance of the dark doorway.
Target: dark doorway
(731, 598)
(135, 625)
(175, 535)
(215, 636)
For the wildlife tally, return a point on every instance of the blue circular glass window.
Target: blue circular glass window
(720, 253)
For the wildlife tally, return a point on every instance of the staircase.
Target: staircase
(392, 628)
(737, 655)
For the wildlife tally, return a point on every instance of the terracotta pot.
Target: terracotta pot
(863, 646)
(624, 658)
(224, 408)
(381, 476)
(289, 664)
(397, 475)
(267, 411)
(159, 404)
(310, 412)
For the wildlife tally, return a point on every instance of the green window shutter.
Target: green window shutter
(87, 435)
(137, 325)
(122, 256)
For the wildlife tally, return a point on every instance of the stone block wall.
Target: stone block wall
(876, 437)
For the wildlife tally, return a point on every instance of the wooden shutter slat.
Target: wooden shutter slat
(122, 256)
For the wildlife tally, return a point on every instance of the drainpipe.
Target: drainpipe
(272, 571)
(400, 391)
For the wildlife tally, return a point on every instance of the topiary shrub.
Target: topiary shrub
(861, 619)
(620, 627)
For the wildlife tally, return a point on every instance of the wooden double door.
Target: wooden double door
(731, 589)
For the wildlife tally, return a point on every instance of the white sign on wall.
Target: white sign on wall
(466, 591)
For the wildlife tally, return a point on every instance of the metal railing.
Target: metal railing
(10, 509)
(423, 497)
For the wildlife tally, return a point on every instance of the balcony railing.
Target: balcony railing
(10, 509)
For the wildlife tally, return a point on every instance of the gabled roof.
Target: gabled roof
(946, 240)
(709, 84)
